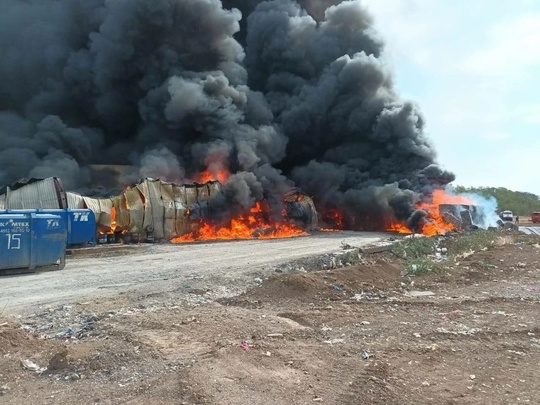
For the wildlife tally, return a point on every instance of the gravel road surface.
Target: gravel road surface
(147, 269)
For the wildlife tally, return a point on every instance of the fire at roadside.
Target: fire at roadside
(154, 210)
(450, 213)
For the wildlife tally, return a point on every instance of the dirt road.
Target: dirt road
(150, 269)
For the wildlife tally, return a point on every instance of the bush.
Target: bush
(414, 248)
(473, 241)
(418, 266)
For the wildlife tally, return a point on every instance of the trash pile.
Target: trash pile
(52, 324)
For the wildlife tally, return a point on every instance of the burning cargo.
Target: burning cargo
(461, 216)
(154, 210)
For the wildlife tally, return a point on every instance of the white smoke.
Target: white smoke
(485, 213)
(486, 210)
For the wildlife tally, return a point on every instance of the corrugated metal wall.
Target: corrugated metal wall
(150, 205)
(40, 194)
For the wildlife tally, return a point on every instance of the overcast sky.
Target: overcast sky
(473, 67)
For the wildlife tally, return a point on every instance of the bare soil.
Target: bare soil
(467, 333)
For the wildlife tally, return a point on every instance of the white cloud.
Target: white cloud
(529, 113)
(471, 67)
(514, 46)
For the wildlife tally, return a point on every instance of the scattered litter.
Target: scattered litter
(425, 384)
(368, 295)
(420, 293)
(3, 324)
(516, 352)
(326, 328)
(268, 354)
(440, 258)
(3, 389)
(521, 264)
(258, 280)
(464, 255)
(472, 376)
(317, 399)
(417, 335)
(461, 330)
(194, 277)
(337, 287)
(72, 377)
(30, 365)
(366, 354)
(364, 323)
(65, 334)
(244, 346)
(503, 313)
(334, 341)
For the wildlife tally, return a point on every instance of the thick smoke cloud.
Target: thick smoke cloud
(278, 93)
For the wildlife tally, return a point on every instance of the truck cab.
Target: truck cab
(507, 216)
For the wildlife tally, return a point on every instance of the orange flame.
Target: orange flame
(333, 219)
(435, 223)
(113, 219)
(399, 228)
(246, 226)
(221, 175)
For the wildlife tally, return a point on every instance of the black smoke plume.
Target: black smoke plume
(279, 93)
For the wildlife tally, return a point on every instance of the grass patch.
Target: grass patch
(474, 241)
(416, 254)
(351, 258)
(414, 248)
(423, 255)
(418, 266)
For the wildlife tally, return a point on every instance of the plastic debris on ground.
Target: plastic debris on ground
(419, 293)
(366, 354)
(30, 365)
(244, 346)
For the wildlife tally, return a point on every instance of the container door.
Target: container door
(15, 241)
(49, 239)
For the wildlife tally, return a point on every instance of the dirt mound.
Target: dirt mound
(15, 340)
(326, 283)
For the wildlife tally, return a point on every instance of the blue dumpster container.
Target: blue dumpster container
(81, 224)
(82, 228)
(32, 240)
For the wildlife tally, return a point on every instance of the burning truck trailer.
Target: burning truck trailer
(440, 213)
(463, 217)
(154, 210)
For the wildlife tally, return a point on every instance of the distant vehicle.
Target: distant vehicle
(535, 217)
(507, 216)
